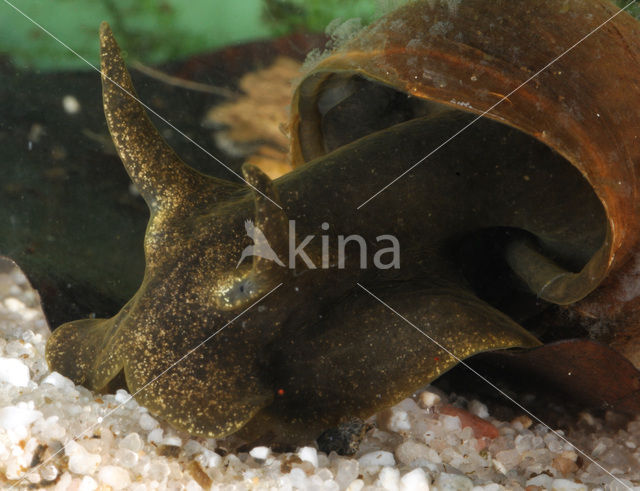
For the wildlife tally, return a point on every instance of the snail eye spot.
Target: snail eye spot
(234, 292)
(244, 289)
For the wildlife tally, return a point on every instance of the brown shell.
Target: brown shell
(570, 74)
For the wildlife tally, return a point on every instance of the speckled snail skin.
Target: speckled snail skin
(549, 175)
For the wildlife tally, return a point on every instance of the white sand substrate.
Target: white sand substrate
(59, 436)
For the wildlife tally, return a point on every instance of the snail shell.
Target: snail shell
(564, 72)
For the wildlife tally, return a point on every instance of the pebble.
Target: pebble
(566, 485)
(14, 305)
(508, 458)
(523, 420)
(389, 478)
(158, 471)
(127, 458)
(416, 480)
(122, 396)
(542, 481)
(17, 418)
(80, 460)
(14, 372)
(209, 459)
(87, 484)
(48, 472)
(453, 482)
(132, 442)
(481, 428)
(356, 485)
(148, 422)
(114, 476)
(478, 409)
(450, 423)
(261, 453)
(155, 436)
(411, 451)
(309, 454)
(420, 444)
(172, 441)
(564, 465)
(59, 381)
(347, 472)
(399, 421)
(378, 457)
(428, 399)
(70, 104)
(64, 482)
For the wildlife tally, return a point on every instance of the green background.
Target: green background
(157, 31)
(161, 30)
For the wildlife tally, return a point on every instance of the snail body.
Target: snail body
(297, 337)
